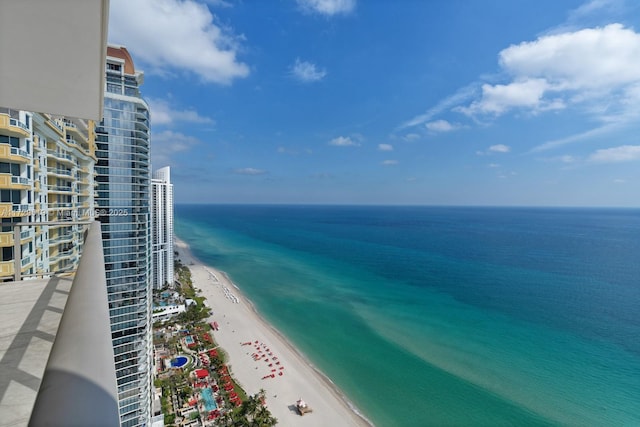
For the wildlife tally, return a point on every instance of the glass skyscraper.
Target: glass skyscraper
(162, 227)
(123, 178)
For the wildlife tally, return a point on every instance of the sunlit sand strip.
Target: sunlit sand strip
(261, 358)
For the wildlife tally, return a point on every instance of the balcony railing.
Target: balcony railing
(55, 171)
(19, 180)
(79, 383)
(21, 208)
(60, 155)
(18, 123)
(19, 152)
(55, 124)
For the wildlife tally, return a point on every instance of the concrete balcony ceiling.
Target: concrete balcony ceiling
(72, 81)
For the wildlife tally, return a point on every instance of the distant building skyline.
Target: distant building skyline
(162, 227)
(124, 179)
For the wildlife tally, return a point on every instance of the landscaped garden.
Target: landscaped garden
(200, 391)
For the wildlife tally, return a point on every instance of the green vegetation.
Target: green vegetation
(176, 388)
(251, 413)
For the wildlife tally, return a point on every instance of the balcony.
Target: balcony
(74, 134)
(6, 239)
(14, 182)
(19, 208)
(13, 126)
(26, 260)
(53, 124)
(26, 234)
(14, 154)
(61, 189)
(59, 172)
(59, 205)
(56, 356)
(59, 256)
(60, 156)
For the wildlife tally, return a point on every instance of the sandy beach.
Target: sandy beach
(261, 358)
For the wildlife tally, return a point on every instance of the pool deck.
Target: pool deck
(187, 360)
(206, 401)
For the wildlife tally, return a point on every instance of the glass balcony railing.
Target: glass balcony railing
(21, 208)
(19, 152)
(18, 123)
(19, 180)
(55, 171)
(60, 155)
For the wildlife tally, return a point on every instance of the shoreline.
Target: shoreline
(297, 378)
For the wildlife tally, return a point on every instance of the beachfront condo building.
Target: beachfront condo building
(162, 227)
(46, 176)
(123, 204)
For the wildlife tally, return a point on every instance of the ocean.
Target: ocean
(446, 316)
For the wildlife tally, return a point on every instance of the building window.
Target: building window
(15, 142)
(113, 67)
(7, 253)
(114, 88)
(7, 196)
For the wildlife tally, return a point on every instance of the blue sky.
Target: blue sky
(443, 102)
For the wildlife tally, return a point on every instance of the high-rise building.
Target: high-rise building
(123, 177)
(46, 175)
(162, 227)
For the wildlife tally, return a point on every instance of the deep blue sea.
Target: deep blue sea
(446, 315)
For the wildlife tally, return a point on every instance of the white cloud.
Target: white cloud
(219, 3)
(411, 137)
(555, 71)
(328, 7)
(163, 114)
(593, 57)
(461, 95)
(499, 98)
(500, 148)
(440, 126)
(493, 165)
(390, 162)
(167, 143)
(623, 153)
(592, 7)
(343, 141)
(172, 36)
(307, 72)
(385, 147)
(249, 171)
(619, 181)
(597, 132)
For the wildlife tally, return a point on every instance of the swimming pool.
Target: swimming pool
(179, 361)
(209, 401)
(188, 340)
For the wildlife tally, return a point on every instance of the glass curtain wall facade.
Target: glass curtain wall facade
(123, 178)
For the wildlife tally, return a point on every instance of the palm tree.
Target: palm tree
(249, 407)
(263, 418)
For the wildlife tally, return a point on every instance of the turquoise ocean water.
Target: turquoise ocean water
(446, 316)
